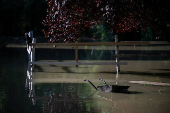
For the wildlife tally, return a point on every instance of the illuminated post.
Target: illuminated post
(32, 49)
(117, 53)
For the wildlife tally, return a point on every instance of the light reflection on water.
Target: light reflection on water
(64, 99)
(60, 97)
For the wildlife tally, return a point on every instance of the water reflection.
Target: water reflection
(64, 98)
(69, 97)
(61, 102)
(29, 86)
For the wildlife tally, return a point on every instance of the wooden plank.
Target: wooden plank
(88, 44)
(78, 63)
(143, 55)
(151, 42)
(158, 42)
(54, 63)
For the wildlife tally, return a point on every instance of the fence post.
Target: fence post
(32, 49)
(76, 53)
(117, 53)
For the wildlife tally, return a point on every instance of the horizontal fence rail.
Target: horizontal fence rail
(87, 44)
(79, 63)
(150, 42)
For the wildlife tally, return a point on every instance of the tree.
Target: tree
(66, 18)
(139, 15)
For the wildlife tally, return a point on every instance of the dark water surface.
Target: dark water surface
(61, 89)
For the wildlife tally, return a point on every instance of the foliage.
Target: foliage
(103, 32)
(140, 15)
(65, 21)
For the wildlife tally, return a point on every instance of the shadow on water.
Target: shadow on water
(67, 70)
(53, 65)
(38, 68)
(135, 92)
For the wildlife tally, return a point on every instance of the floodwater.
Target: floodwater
(61, 89)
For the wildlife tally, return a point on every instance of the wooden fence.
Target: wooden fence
(31, 52)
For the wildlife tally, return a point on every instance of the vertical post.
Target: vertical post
(76, 53)
(117, 75)
(28, 47)
(29, 52)
(32, 49)
(117, 53)
(33, 53)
